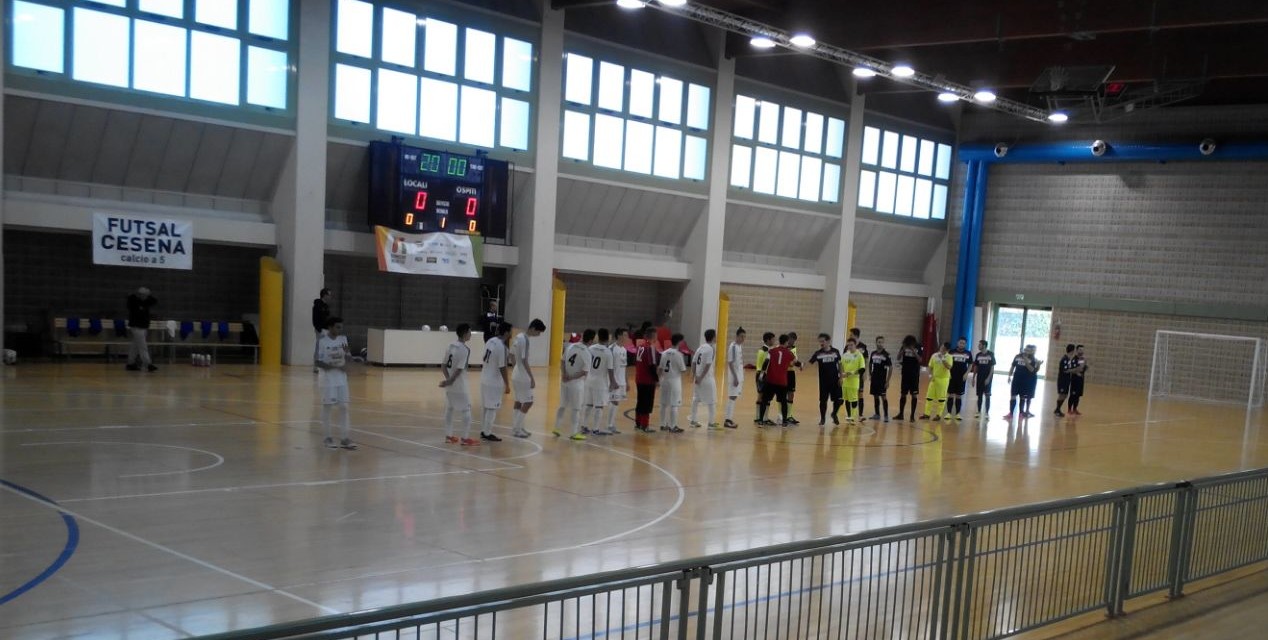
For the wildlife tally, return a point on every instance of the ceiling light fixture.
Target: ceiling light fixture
(903, 71)
(802, 40)
(984, 95)
(947, 96)
(1057, 117)
(864, 72)
(631, 4)
(674, 3)
(762, 42)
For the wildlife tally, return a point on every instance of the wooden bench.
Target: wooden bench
(159, 336)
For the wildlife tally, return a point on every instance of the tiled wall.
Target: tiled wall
(760, 309)
(889, 316)
(602, 301)
(364, 297)
(48, 275)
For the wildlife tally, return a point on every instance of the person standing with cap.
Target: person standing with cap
(139, 305)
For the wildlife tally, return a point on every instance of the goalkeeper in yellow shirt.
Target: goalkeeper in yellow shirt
(853, 364)
(939, 379)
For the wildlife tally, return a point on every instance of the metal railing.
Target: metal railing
(982, 576)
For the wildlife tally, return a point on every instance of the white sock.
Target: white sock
(673, 416)
(730, 408)
(466, 423)
(448, 421)
(713, 413)
(347, 420)
(576, 421)
(517, 420)
(325, 418)
(695, 402)
(612, 417)
(559, 417)
(486, 425)
(664, 415)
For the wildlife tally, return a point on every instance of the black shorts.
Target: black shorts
(792, 382)
(1076, 385)
(983, 385)
(1063, 383)
(1022, 388)
(911, 384)
(956, 386)
(830, 390)
(877, 387)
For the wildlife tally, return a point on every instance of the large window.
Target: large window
(425, 76)
(619, 117)
(786, 151)
(206, 50)
(904, 175)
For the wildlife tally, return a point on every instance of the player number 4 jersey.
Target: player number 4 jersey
(576, 360)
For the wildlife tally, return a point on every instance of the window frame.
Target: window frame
(920, 135)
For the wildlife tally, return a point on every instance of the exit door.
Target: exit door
(1014, 328)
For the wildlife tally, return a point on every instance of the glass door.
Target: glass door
(1016, 327)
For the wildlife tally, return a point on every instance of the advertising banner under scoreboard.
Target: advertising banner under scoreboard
(428, 254)
(125, 240)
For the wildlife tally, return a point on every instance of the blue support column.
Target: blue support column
(967, 223)
(973, 262)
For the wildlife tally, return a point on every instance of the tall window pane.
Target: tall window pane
(836, 137)
(768, 122)
(101, 47)
(638, 146)
(927, 150)
(267, 75)
(269, 18)
(514, 124)
(791, 137)
(831, 182)
(867, 189)
(871, 145)
(214, 67)
(478, 55)
(745, 116)
(814, 133)
(611, 87)
(576, 136)
(477, 118)
(38, 37)
(113, 3)
(400, 37)
(698, 106)
(517, 64)
(158, 62)
(886, 184)
(438, 109)
(741, 165)
(694, 158)
(440, 47)
(668, 152)
(924, 193)
(642, 93)
(352, 93)
(939, 209)
(609, 136)
(397, 102)
(902, 200)
(811, 173)
(217, 13)
(944, 162)
(578, 78)
(908, 162)
(169, 8)
(765, 168)
(789, 166)
(354, 28)
(670, 101)
(889, 150)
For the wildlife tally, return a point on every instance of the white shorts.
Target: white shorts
(597, 394)
(337, 394)
(570, 394)
(707, 391)
(523, 389)
(671, 394)
(734, 390)
(622, 392)
(457, 398)
(491, 395)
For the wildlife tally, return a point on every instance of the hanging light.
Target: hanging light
(984, 95)
(674, 3)
(864, 72)
(1057, 117)
(802, 40)
(762, 42)
(903, 71)
(947, 96)
(631, 4)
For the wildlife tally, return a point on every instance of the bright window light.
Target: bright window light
(741, 165)
(642, 94)
(397, 102)
(113, 3)
(576, 136)
(836, 137)
(39, 37)
(214, 67)
(889, 150)
(438, 112)
(745, 116)
(867, 189)
(354, 28)
(814, 133)
(811, 174)
(158, 61)
(943, 170)
(695, 157)
(101, 46)
(871, 144)
(400, 37)
(479, 52)
(902, 201)
(765, 168)
(802, 40)
(217, 13)
(609, 136)
(668, 152)
(762, 42)
(924, 192)
(517, 64)
(791, 136)
(886, 183)
(789, 166)
(169, 8)
(352, 93)
(910, 146)
(831, 182)
(578, 78)
(669, 105)
(267, 76)
(476, 117)
(513, 126)
(638, 146)
(611, 88)
(698, 106)
(939, 209)
(768, 127)
(440, 47)
(270, 18)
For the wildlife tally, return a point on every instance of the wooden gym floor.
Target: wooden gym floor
(201, 499)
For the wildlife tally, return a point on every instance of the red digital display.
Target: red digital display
(433, 205)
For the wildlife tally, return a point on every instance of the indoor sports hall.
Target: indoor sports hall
(509, 319)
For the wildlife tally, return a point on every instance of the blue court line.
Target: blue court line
(72, 542)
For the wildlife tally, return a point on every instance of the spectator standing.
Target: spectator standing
(139, 305)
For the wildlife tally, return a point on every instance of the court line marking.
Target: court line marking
(510, 465)
(219, 458)
(183, 556)
(277, 485)
(129, 426)
(68, 550)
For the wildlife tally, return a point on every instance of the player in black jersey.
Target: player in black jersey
(1023, 375)
(1063, 379)
(829, 360)
(858, 343)
(961, 359)
(1077, 372)
(880, 368)
(983, 375)
(909, 364)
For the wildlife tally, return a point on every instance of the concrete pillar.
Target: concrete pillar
(299, 204)
(837, 258)
(529, 290)
(4, 49)
(704, 246)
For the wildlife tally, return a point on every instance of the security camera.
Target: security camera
(1099, 148)
(1207, 147)
(1001, 150)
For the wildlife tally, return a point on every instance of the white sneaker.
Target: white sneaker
(521, 433)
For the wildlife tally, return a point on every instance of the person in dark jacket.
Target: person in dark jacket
(321, 313)
(139, 305)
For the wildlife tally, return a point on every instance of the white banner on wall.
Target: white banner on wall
(125, 240)
(431, 254)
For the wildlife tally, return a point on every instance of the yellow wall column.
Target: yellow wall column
(724, 332)
(851, 321)
(271, 298)
(558, 298)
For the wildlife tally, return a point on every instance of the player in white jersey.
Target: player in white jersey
(671, 369)
(620, 357)
(600, 382)
(705, 389)
(455, 385)
(522, 381)
(332, 351)
(572, 373)
(494, 382)
(734, 376)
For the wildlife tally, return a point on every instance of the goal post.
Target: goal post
(1207, 367)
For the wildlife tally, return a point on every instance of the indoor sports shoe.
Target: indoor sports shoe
(835, 419)
(886, 419)
(713, 426)
(675, 429)
(585, 430)
(469, 442)
(1059, 414)
(555, 432)
(958, 417)
(793, 421)
(730, 424)
(452, 440)
(1028, 414)
(578, 437)
(520, 433)
(151, 368)
(1008, 416)
(875, 416)
(489, 437)
(132, 367)
(694, 424)
(330, 443)
(347, 444)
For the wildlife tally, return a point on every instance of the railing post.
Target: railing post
(942, 577)
(705, 576)
(964, 580)
(719, 603)
(1126, 553)
(1182, 538)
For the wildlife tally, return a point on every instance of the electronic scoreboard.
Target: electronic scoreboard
(423, 191)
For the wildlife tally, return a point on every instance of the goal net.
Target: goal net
(1207, 368)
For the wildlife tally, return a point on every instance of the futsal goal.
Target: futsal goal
(1207, 367)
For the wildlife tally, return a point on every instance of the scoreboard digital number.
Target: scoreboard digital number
(424, 191)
